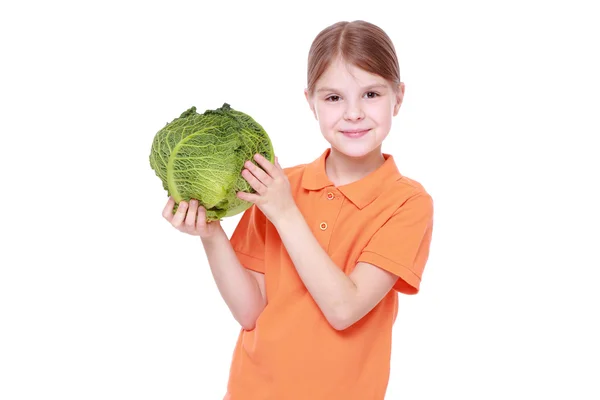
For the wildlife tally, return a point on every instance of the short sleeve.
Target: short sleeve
(401, 245)
(248, 239)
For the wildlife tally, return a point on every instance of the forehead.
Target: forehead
(341, 74)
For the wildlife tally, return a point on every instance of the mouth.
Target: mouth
(355, 133)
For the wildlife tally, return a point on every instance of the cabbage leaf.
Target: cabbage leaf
(201, 156)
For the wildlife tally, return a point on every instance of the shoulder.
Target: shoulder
(405, 191)
(410, 184)
(295, 173)
(411, 187)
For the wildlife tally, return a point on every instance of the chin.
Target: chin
(354, 151)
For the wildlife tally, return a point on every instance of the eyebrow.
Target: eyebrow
(375, 86)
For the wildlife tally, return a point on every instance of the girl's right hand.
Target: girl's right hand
(190, 219)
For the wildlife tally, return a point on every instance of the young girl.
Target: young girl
(313, 269)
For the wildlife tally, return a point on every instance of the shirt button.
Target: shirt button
(330, 196)
(323, 226)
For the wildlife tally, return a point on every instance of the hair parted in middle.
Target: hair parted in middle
(359, 43)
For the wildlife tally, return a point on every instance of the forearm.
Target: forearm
(238, 288)
(333, 291)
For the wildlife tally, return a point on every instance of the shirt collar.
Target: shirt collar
(361, 192)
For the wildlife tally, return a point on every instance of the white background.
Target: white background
(100, 298)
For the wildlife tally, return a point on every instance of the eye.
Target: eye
(371, 95)
(333, 98)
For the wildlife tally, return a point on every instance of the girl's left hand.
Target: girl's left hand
(273, 194)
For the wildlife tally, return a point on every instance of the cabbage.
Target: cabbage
(201, 156)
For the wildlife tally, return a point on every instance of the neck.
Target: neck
(343, 170)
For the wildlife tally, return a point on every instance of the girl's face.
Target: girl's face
(354, 108)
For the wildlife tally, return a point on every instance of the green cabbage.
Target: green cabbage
(201, 156)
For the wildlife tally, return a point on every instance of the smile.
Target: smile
(355, 133)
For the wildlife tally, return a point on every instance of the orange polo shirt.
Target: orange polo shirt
(293, 353)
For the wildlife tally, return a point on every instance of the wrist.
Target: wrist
(215, 236)
(292, 217)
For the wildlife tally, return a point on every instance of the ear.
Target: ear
(399, 98)
(311, 103)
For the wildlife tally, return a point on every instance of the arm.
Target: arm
(243, 290)
(342, 299)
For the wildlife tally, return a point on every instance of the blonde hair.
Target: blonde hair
(359, 43)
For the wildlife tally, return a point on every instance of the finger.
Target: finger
(201, 218)
(179, 215)
(266, 165)
(168, 210)
(277, 163)
(254, 182)
(250, 197)
(260, 174)
(190, 219)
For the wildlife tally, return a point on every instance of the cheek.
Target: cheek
(325, 125)
(327, 116)
(385, 114)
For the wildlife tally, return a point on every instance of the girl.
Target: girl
(313, 269)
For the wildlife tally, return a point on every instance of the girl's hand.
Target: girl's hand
(273, 194)
(190, 219)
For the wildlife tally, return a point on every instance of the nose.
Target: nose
(353, 112)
